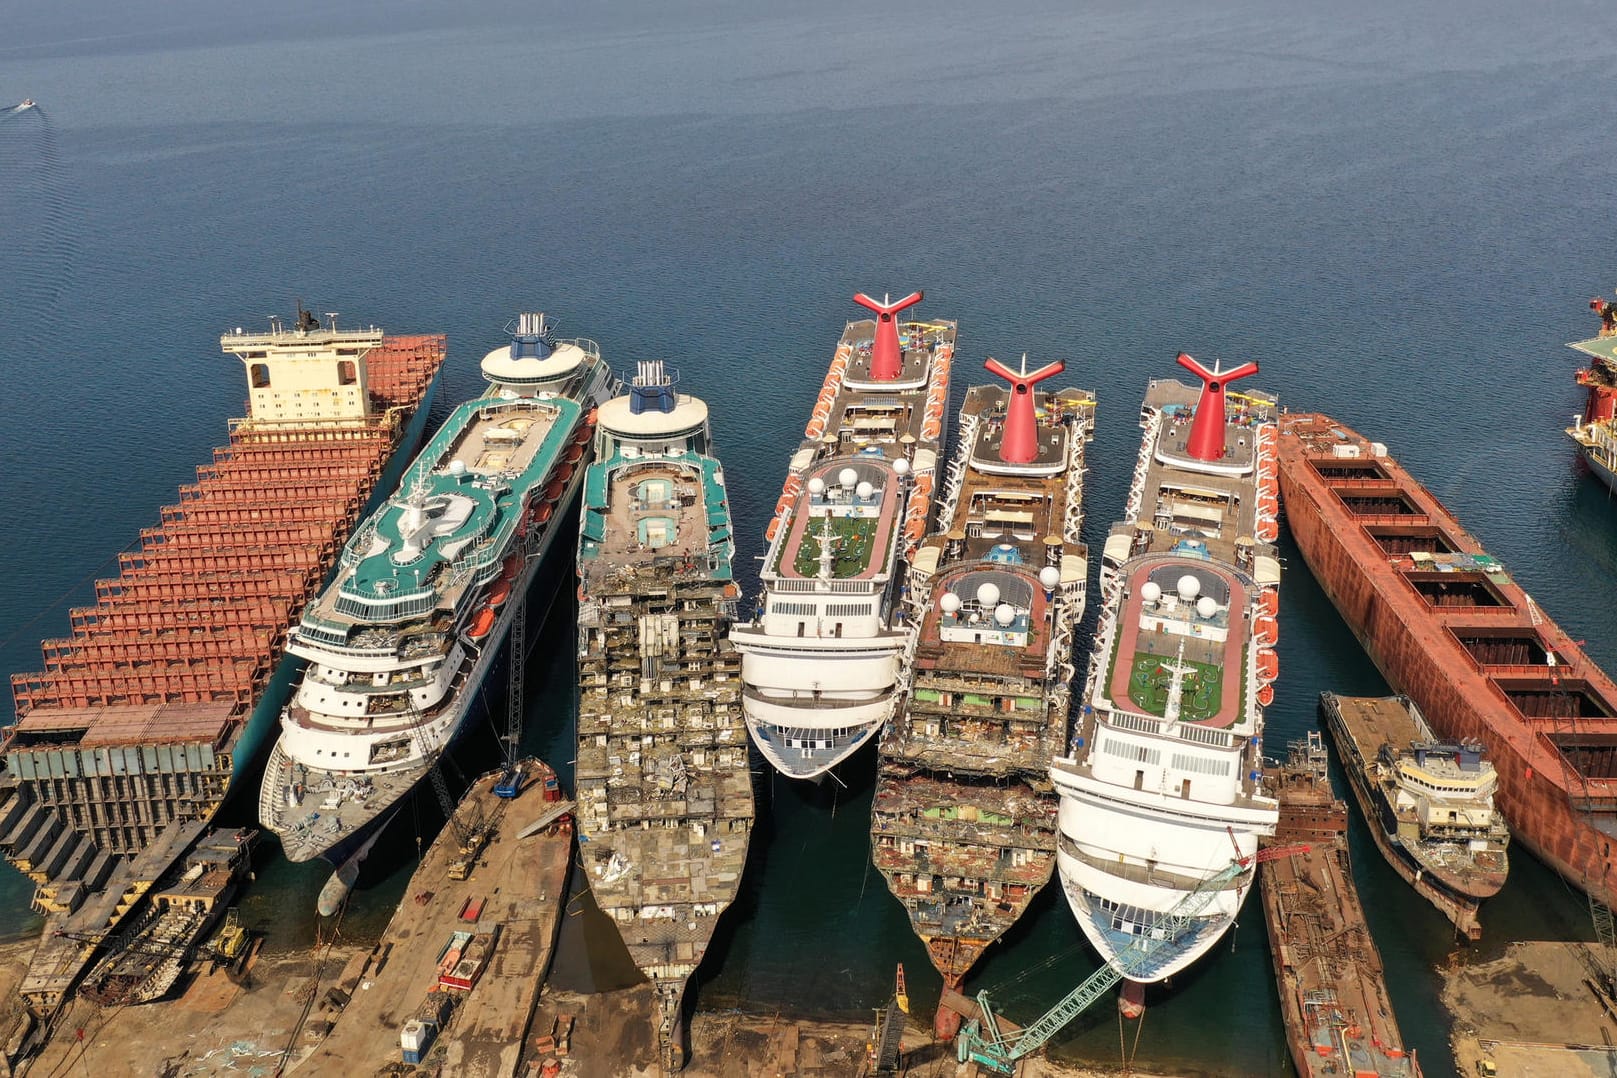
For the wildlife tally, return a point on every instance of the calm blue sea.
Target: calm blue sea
(1398, 210)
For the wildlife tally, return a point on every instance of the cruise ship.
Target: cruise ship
(665, 803)
(963, 826)
(399, 641)
(1163, 784)
(821, 656)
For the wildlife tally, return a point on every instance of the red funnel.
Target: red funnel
(886, 357)
(1207, 429)
(1020, 445)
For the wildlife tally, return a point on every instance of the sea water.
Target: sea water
(1398, 213)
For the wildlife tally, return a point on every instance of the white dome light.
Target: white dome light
(987, 594)
(1004, 613)
(865, 489)
(847, 477)
(1151, 591)
(950, 603)
(816, 486)
(1049, 576)
(1189, 587)
(1207, 606)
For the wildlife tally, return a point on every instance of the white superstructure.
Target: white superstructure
(1162, 786)
(401, 638)
(822, 655)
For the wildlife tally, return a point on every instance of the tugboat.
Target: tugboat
(821, 656)
(1165, 764)
(664, 788)
(1429, 802)
(963, 826)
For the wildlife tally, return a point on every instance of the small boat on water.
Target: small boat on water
(1429, 802)
(25, 103)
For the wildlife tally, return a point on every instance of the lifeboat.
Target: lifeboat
(481, 624)
(513, 565)
(500, 592)
(554, 488)
(542, 514)
(915, 529)
(1269, 598)
(1268, 666)
(769, 532)
(1266, 630)
(1268, 530)
(574, 452)
(564, 470)
(1266, 695)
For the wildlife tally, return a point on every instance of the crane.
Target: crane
(981, 1039)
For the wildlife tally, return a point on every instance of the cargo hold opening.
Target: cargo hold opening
(1390, 504)
(1347, 468)
(1564, 699)
(1411, 539)
(1441, 589)
(1504, 647)
(1593, 756)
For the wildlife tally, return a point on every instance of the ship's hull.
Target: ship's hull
(1599, 460)
(337, 848)
(1448, 894)
(1413, 650)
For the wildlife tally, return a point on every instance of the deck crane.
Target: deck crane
(511, 778)
(982, 1041)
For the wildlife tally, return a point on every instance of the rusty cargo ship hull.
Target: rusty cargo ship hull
(1448, 627)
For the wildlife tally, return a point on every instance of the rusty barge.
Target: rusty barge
(1449, 627)
(147, 714)
(1333, 996)
(963, 825)
(1428, 802)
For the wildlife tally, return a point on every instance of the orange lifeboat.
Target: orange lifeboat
(500, 592)
(1268, 666)
(481, 624)
(1269, 598)
(554, 488)
(545, 509)
(1268, 530)
(1266, 630)
(1268, 504)
(915, 529)
(1266, 695)
(513, 566)
(769, 532)
(574, 452)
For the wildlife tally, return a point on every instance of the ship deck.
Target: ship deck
(1339, 1017)
(520, 882)
(648, 511)
(861, 527)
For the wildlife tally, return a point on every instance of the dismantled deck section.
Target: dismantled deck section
(963, 824)
(142, 716)
(1449, 627)
(821, 655)
(1429, 802)
(1333, 996)
(664, 787)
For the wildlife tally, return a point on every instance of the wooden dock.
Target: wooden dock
(520, 883)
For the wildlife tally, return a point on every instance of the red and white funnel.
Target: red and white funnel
(1207, 429)
(886, 356)
(1020, 445)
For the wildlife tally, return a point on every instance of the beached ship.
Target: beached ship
(1595, 430)
(821, 656)
(145, 961)
(1333, 994)
(1429, 802)
(1450, 628)
(665, 803)
(158, 703)
(400, 640)
(963, 826)
(1163, 771)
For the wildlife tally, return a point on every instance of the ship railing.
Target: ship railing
(1147, 875)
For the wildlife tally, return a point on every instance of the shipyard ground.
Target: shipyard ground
(217, 1028)
(1532, 1013)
